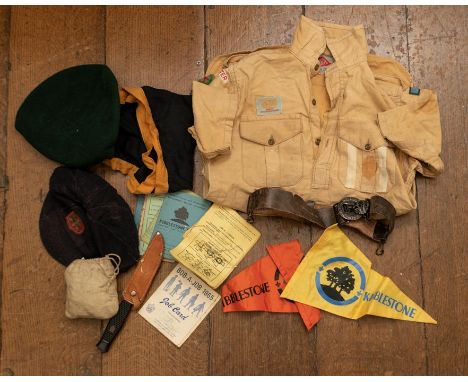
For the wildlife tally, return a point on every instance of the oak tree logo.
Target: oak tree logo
(181, 215)
(341, 280)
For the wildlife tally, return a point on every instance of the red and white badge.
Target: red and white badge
(74, 223)
(224, 76)
(326, 60)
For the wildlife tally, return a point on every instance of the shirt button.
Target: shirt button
(314, 102)
(368, 146)
(271, 141)
(317, 141)
(316, 67)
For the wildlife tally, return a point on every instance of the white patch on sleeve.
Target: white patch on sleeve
(382, 172)
(352, 166)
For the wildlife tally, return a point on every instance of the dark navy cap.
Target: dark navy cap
(84, 216)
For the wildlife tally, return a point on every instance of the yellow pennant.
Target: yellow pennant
(335, 276)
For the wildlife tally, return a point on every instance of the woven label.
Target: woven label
(223, 75)
(269, 105)
(325, 61)
(74, 223)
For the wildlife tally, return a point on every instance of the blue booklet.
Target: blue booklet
(179, 211)
(147, 213)
(138, 208)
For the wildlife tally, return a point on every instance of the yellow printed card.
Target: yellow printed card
(336, 276)
(214, 246)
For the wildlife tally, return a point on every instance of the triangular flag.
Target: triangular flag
(287, 257)
(336, 276)
(258, 287)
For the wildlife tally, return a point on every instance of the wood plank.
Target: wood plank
(160, 47)
(258, 343)
(2, 230)
(37, 338)
(437, 52)
(254, 27)
(4, 63)
(376, 345)
(385, 26)
(156, 46)
(4, 66)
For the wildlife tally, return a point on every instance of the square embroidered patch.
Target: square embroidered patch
(414, 91)
(269, 105)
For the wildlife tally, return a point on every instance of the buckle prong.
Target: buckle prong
(352, 208)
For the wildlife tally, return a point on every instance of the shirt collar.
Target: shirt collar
(347, 44)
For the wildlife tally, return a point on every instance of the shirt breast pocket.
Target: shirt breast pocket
(272, 150)
(366, 162)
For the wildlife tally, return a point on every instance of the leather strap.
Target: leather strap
(144, 273)
(373, 217)
(278, 202)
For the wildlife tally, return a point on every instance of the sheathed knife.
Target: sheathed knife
(135, 291)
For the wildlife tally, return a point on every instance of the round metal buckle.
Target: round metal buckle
(352, 208)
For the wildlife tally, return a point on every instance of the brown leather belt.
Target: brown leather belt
(373, 217)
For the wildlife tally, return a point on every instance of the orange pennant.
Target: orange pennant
(258, 287)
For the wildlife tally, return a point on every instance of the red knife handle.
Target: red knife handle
(143, 275)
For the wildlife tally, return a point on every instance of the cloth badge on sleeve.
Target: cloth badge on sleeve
(258, 287)
(224, 76)
(336, 276)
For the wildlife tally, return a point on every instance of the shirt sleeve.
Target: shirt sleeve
(214, 109)
(414, 127)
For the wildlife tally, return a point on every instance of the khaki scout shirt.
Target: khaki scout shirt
(282, 117)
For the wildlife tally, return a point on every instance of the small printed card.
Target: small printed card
(179, 305)
(216, 244)
(146, 216)
(179, 211)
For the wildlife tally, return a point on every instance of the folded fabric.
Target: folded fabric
(258, 287)
(78, 117)
(154, 147)
(336, 276)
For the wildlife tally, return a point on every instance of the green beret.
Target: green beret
(73, 116)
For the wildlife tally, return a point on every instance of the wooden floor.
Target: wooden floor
(168, 47)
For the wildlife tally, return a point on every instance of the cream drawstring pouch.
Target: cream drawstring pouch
(92, 287)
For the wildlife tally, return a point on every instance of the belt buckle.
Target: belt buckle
(352, 208)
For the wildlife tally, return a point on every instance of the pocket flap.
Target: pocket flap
(365, 135)
(270, 131)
